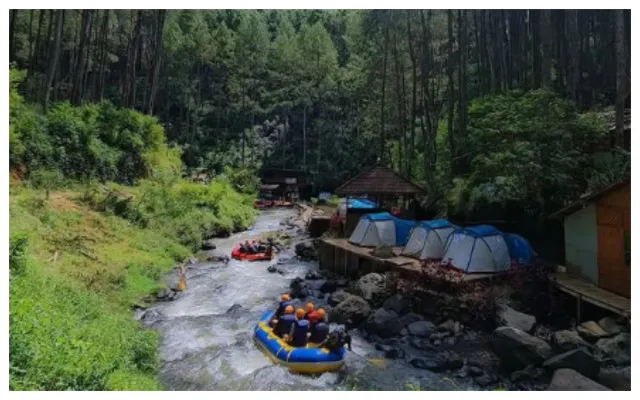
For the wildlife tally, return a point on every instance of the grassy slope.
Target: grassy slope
(70, 321)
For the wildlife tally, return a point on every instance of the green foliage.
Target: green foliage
(243, 180)
(70, 325)
(180, 209)
(17, 253)
(528, 150)
(94, 141)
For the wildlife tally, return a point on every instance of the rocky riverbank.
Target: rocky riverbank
(512, 350)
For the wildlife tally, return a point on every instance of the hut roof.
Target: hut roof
(378, 180)
(589, 198)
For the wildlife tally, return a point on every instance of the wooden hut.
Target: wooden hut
(597, 230)
(381, 184)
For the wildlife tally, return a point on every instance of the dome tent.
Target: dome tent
(520, 249)
(428, 239)
(478, 249)
(381, 229)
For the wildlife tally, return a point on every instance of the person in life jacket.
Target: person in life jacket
(318, 329)
(309, 307)
(247, 246)
(299, 330)
(285, 301)
(336, 340)
(254, 247)
(284, 323)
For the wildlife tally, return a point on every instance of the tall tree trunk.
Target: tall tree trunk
(157, 58)
(450, 61)
(30, 35)
(304, 137)
(537, 62)
(33, 61)
(478, 53)
(129, 86)
(462, 79)
(414, 92)
(574, 53)
(621, 77)
(382, 99)
(545, 39)
(99, 94)
(54, 54)
(12, 37)
(78, 76)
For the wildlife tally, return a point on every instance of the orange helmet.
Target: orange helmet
(288, 310)
(321, 313)
(299, 313)
(285, 297)
(310, 307)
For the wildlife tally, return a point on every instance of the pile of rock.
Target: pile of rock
(573, 358)
(306, 251)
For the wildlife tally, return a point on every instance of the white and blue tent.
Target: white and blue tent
(428, 239)
(479, 249)
(381, 229)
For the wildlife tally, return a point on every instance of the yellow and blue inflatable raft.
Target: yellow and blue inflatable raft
(305, 360)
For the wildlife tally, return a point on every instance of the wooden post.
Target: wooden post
(578, 311)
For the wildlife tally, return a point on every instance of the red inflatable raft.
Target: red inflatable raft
(238, 255)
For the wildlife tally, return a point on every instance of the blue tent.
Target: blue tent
(519, 248)
(478, 249)
(428, 239)
(381, 229)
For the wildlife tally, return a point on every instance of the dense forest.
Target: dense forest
(458, 100)
(498, 114)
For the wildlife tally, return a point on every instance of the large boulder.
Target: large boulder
(566, 379)
(397, 304)
(409, 319)
(580, 360)
(562, 341)
(591, 331)
(338, 297)
(353, 308)
(421, 328)
(299, 289)
(610, 325)
(209, 244)
(373, 288)
(616, 380)
(329, 286)
(312, 275)
(383, 323)
(617, 349)
(518, 349)
(507, 316)
(306, 251)
(315, 284)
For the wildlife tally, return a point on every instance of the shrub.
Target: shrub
(17, 253)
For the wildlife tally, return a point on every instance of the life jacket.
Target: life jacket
(319, 332)
(284, 324)
(300, 333)
(282, 306)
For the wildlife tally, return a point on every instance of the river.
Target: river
(206, 333)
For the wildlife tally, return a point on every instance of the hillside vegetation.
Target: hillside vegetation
(84, 249)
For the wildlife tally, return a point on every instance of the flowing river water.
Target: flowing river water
(206, 333)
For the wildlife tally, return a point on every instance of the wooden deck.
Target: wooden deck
(338, 255)
(583, 290)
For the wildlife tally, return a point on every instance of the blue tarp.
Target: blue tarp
(361, 203)
(520, 249)
(436, 224)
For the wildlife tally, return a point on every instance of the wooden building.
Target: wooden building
(383, 185)
(288, 184)
(597, 230)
